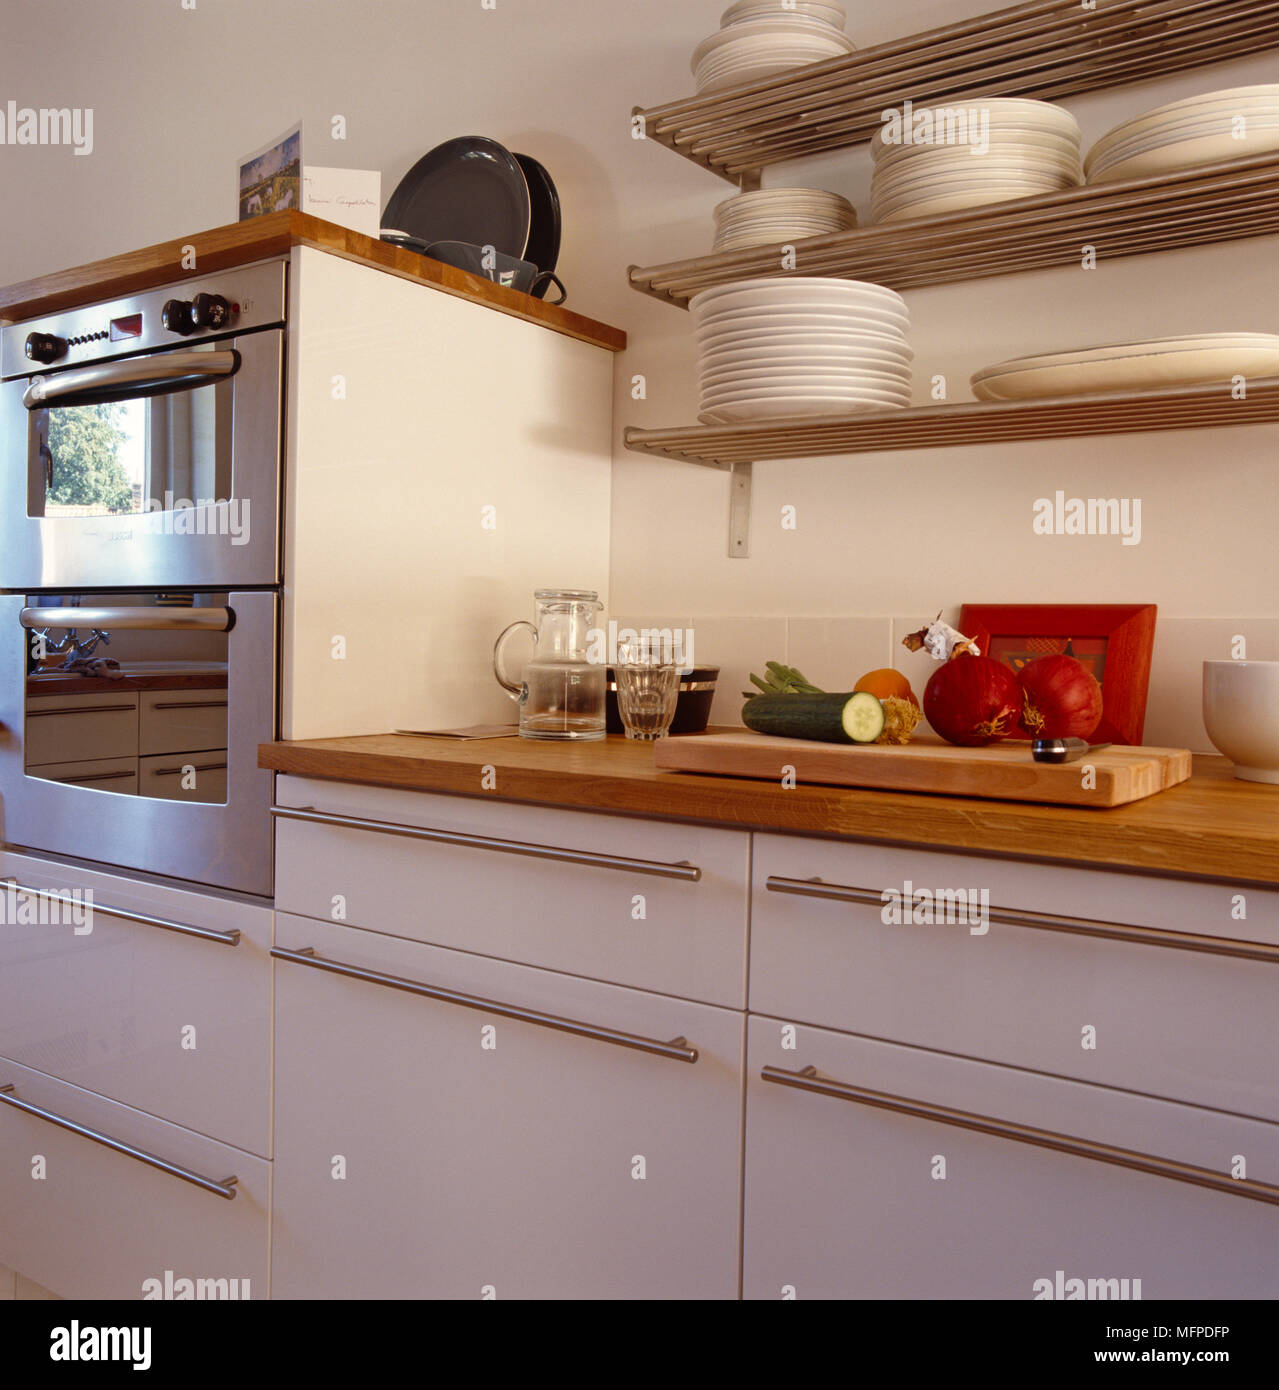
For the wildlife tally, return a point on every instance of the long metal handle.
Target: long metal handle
(677, 1049)
(689, 872)
(190, 704)
(225, 938)
(809, 1080)
(134, 376)
(82, 709)
(1046, 921)
(95, 777)
(132, 619)
(195, 767)
(222, 1188)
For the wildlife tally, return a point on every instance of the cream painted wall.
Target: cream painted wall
(179, 93)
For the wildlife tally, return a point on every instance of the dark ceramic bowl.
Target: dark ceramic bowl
(692, 709)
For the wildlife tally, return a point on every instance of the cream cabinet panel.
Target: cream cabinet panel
(88, 1221)
(846, 1199)
(427, 1149)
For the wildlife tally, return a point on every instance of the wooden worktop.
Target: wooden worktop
(274, 234)
(1213, 826)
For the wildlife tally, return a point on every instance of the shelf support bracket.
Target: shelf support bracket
(739, 512)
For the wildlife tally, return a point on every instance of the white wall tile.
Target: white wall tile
(1174, 709)
(835, 652)
(737, 646)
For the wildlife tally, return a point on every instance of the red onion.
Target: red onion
(1063, 699)
(973, 700)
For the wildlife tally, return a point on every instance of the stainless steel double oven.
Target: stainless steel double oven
(141, 453)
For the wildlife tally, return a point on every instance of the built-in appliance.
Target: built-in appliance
(140, 489)
(142, 438)
(151, 765)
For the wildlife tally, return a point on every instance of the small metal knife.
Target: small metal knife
(1063, 750)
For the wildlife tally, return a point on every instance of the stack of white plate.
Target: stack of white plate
(1002, 148)
(1231, 124)
(780, 214)
(760, 38)
(1188, 360)
(800, 346)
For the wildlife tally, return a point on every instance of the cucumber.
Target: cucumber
(846, 718)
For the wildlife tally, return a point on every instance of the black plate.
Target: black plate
(544, 236)
(468, 189)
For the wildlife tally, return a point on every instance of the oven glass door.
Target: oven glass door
(134, 721)
(160, 469)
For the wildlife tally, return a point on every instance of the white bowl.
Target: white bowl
(1241, 714)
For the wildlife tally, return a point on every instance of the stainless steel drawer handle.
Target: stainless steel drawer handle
(82, 709)
(136, 619)
(689, 872)
(1047, 921)
(190, 704)
(92, 777)
(195, 767)
(225, 938)
(222, 1188)
(677, 1049)
(809, 1080)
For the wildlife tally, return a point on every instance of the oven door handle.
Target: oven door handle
(131, 619)
(135, 376)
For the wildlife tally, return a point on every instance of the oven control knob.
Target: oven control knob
(44, 347)
(210, 311)
(176, 316)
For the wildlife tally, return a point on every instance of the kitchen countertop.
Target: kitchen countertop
(72, 684)
(1212, 826)
(240, 243)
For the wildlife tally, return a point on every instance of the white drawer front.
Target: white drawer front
(105, 774)
(184, 776)
(180, 721)
(650, 923)
(87, 1221)
(1193, 1025)
(72, 728)
(849, 1200)
(479, 1151)
(168, 1021)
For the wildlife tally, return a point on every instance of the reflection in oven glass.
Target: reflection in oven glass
(137, 713)
(119, 458)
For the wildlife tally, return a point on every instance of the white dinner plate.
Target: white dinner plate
(1013, 111)
(1186, 154)
(1131, 367)
(738, 412)
(835, 387)
(1245, 99)
(752, 378)
(958, 202)
(809, 286)
(804, 355)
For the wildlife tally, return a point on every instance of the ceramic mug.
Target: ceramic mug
(504, 270)
(1241, 714)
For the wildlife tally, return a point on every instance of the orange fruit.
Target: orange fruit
(886, 682)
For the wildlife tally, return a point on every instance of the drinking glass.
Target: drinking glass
(647, 689)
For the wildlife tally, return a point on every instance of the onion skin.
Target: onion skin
(1062, 698)
(973, 700)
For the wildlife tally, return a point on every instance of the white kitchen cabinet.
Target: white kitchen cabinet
(845, 1199)
(89, 1221)
(179, 721)
(185, 776)
(159, 998)
(76, 728)
(637, 902)
(443, 462)
(1184, 1008)
(428, 1149)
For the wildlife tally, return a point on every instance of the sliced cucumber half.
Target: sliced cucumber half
(863, 717)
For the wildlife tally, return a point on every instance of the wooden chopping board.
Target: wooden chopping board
(1004, 771)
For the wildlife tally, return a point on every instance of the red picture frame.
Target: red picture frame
(1114, 640)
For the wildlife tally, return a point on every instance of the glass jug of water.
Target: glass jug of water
(561, 692)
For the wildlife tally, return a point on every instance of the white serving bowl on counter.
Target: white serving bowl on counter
(1241, 714)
